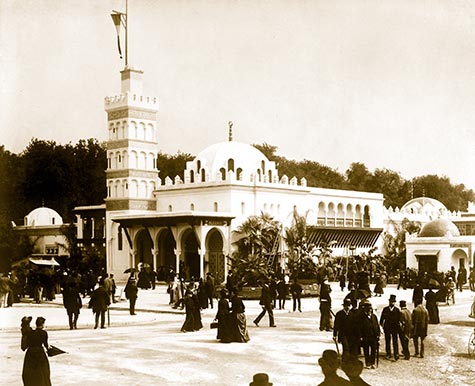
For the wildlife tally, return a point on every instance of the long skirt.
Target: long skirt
(433, 310)
(189, 324)
(36, 370)
(225, 331)
(240, 329)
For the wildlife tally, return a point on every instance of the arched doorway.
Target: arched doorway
(143, 247)
(166, 259)
(191, 257)
(459, 259)
(214, 248)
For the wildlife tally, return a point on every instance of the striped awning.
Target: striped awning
(343, 237)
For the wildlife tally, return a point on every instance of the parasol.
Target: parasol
(53, 351)
(130, 270)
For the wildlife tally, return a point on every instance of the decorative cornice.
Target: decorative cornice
(129, 143)
(111, 174)
(130, 112)
(130, 204)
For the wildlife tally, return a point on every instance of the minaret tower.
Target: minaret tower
(132, 173)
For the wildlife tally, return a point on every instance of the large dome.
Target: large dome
(245, 156)
(43, 216)
(424, 205)
(439, 228)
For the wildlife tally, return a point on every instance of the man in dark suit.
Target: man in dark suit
(342, 328)
(99, 303)
(390, 317)
(266, 303)
(369, 332)
(72, 302)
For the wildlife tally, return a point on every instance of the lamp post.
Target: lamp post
(120, 18)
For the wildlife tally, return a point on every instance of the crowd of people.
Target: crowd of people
(355, 328)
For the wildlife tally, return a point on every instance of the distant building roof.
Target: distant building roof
(439, 228)
(43, 216)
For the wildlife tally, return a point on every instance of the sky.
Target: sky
(389, 83)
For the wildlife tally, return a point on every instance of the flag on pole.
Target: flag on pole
(117, 18)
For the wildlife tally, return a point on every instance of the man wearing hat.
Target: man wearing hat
(342, 328)
(260, 379)
(390, 317)
(369, 332)
(329, 362)
(405, 331)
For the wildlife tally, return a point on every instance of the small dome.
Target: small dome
(424, 205)
(439, 228)
(43, 216)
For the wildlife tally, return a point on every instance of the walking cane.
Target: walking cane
(108, 318)
(337, 348)
(377, 353)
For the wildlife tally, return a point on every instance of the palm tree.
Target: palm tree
(250, 261)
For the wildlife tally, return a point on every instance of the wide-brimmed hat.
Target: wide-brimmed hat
(260, 379)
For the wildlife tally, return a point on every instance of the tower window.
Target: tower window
(230, 164)
(215, 206)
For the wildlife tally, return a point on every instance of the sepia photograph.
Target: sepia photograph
(237, 192)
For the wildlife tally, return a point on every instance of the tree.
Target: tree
(358, 176)
(251, 260)
(172, 165)
(394, 243)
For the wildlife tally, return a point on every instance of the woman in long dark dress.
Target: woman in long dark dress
(36, 371)
(238, 318)
(190, 306)
(223, 317)
(432, 307)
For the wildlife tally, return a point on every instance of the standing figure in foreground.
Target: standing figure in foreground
(405, 332)
(281, 293)
(296, 291)
(190, 311)
(36, 371)
(266, 303)
(99, 303)
(329, 362)
(209, 286)
(72, 302)
(342, 328)
(420, 321)
(370, 332)
(223, 317)
(325, 307)
(131, 292)
(238, 319)
(390, 317)
(432, 307)
(353, 370)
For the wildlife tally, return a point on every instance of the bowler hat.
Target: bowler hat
(260, 379)
(330, 358)
(402, 303)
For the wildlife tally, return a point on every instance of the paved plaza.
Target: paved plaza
(149, 349)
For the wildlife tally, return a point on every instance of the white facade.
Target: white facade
(188, 223)
(438, 247)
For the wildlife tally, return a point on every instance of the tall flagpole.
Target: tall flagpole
(126, 33)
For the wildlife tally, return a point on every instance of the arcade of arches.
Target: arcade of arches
(178, 248)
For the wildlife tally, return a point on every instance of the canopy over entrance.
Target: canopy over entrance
(343, 237)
